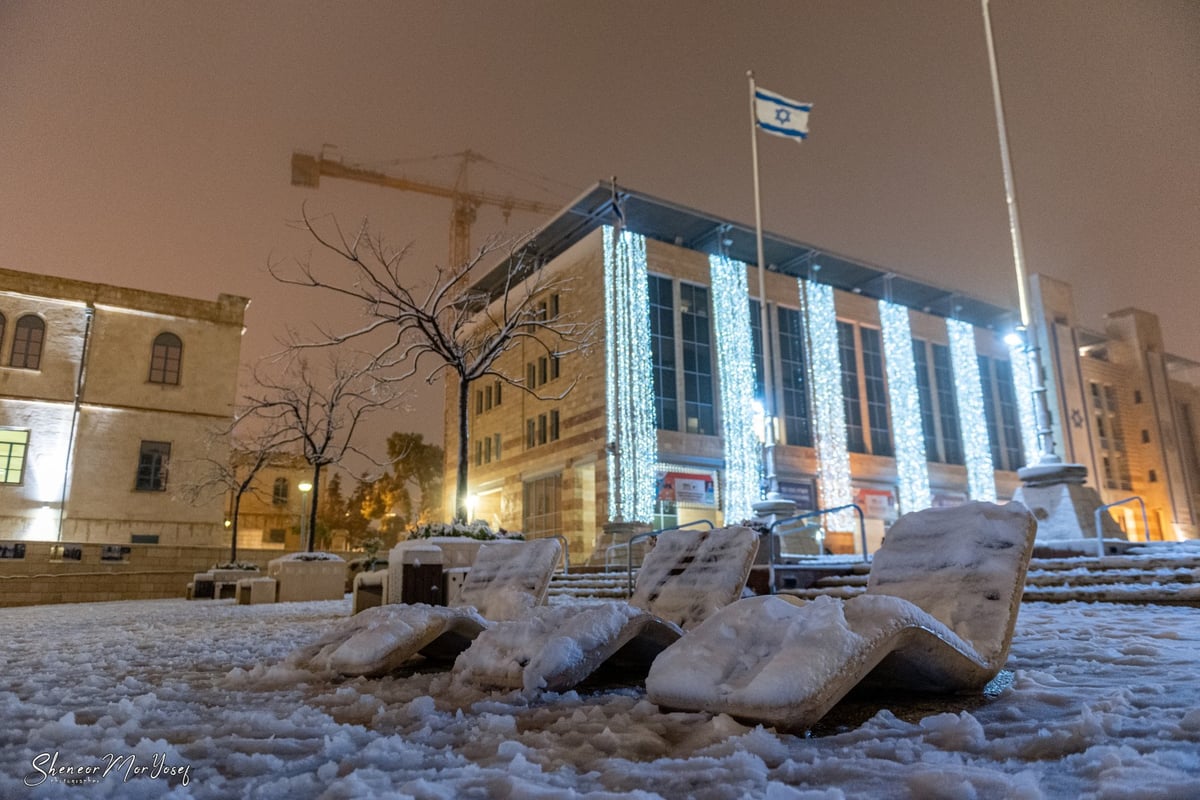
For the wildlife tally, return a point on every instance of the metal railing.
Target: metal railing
(566, 553)
(1099, 529)
(773, 537)
(650, 535)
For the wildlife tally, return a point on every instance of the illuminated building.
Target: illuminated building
(108, 400)
(678, 281)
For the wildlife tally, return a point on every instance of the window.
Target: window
(793, 378)
(152, 466)
(756, 344)
(13, 446)
(27, 343)
(2, 323)
(538, 430)
(496, 446)
(856, 442)
(864, 389)
(542, 514)
(696, 336)
(478, 401)
(1000, 412)
(1110, 436)
(279, 493)
(939, 407)
(662, 352)
(165, 358)
(276, 536)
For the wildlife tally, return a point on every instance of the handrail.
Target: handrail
(649, 535)
(566, 553)
(1100, 533)
(771, 537)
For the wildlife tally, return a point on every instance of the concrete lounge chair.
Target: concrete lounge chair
(937, 616)
(507, 580)
(685, 577)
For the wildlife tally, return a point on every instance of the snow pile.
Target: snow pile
(553, 647)
(1101, 701)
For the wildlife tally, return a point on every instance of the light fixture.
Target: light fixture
(829, 408)
(735, 368)
(1023, 387)
(972, 421)
(912, 462)
(631, 435)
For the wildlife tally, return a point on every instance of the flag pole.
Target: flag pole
(1041, 405)
(768, 399)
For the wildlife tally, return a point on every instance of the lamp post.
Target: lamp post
(305, 487)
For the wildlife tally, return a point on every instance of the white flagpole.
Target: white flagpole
(768, 393)
(1041, 405)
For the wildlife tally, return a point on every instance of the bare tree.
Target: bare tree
(458, 325)
(317, 414)
(232, 470)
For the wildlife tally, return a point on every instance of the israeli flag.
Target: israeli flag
(778, 115)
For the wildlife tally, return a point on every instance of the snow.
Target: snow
(1099, 701)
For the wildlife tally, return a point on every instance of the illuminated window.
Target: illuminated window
(152, 466)
(1110, 436)
(27, 343)
(165, 359)
(279, 493)
(13, 445)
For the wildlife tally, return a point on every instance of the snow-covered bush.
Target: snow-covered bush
(479, 529)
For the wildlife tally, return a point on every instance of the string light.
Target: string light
(731, 317)
(972, 422)
(633, 441)
(1023, 389)
(912, 463)
(829, 409)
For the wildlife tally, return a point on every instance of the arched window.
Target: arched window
(165, 359)
(27, 342)
(280, 496)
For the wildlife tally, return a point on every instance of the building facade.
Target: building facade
(881, 391)
(109, 399)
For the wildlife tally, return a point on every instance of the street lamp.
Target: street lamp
(305, 487)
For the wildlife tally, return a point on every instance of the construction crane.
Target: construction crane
(307, 170)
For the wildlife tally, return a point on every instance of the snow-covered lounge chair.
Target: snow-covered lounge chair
(686, 577)
(937, 616)
(506, 581)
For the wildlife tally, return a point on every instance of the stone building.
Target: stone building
(108, 400)
(885, 392)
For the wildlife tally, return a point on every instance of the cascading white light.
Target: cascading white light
(1023, 390)
(829, 409)
(912, 463)
(735, 366)
(972, 421)
(633, 441)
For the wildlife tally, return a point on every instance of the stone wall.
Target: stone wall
(48, 573)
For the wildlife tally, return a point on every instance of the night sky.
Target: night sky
(147, 144)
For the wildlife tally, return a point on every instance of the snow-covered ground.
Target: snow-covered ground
(188, 699)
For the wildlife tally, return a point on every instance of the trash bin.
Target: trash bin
(421, 576)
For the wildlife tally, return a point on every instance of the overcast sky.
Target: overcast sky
(147, 144)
